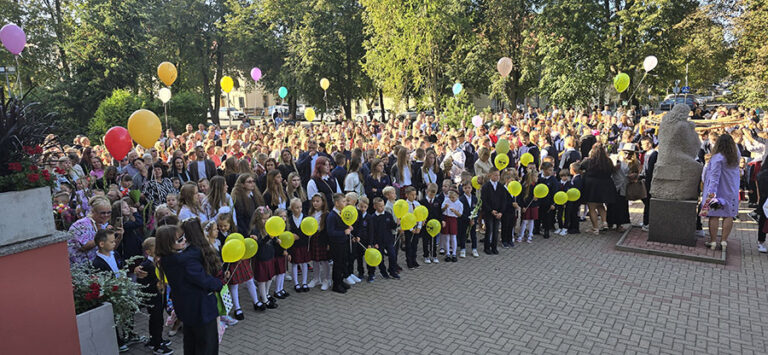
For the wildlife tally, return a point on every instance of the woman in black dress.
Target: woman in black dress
(599, 188)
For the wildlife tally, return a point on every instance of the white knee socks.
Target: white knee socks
(252, 290)
(451, 241)
(526, 224)
(279, 282)
(304, 273)
(233, 289)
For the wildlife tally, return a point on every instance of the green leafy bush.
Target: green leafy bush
(113, 111)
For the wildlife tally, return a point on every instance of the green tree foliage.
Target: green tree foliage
(113, 111)
(749, 64)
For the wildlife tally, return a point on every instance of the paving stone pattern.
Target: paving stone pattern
(564, 295)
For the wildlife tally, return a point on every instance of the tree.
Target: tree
(749, 64)
(113, 111)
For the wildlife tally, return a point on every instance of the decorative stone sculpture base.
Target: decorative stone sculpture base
(97, 331)
(672, 221)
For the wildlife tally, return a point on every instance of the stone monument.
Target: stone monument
(676, 178)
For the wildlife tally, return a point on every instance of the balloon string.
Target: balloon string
(233, 271)
(165, 109)
(18, 77)
(636, 88)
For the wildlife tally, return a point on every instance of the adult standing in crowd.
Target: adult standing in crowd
(599, 188)
(720, 196)
(201, 168)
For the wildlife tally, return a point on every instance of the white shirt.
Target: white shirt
(187, 213)
(429, 176)
(201, 169)
(312, 162)
(352, 183)
(297, 221)
(411, 206)
(312, 187)
(406, 176)
(110, 259)
(455, 205)
(493, 183)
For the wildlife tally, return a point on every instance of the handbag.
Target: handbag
(224, 301)
(636, 191)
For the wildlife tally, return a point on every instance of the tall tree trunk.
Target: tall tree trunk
(217, 81)
(381, 105)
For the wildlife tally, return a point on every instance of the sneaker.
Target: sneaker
(519, 239)
(563, 231)
(349, 281)
(324, 286)
(162, 350)
(529, 240)
(761, 248)
(463, 253)
(370, 278)
(136, 339)
(427, 261)
(442, 251)
(123, 348)
(355, 278)
(395, 276)
(474, 253)
(229, 321)
(313, 283)
(168, 342)
(645, 227)
(435, 261)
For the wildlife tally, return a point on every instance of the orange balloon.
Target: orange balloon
(166, 71)
(144, 127)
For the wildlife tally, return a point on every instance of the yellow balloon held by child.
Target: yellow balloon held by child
(514, 188)
(234, 236)
(421, 213)
(286, 240)
(408, 222)
(309, 226)
(526, 159)
(233, 251)
(540, 191)
(561, 197)
(274, 226)
(400, 208)
(372, 257)
(501, 161)
(573, 194)
(251, 247)
(433, 227)
(349, 215)
(475, 183)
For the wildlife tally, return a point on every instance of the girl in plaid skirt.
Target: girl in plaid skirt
(241, 270)
(318, 244)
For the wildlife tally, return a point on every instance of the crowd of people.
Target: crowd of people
(175, 203)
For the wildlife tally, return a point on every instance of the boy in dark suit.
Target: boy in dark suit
(431, 202)
(338, 234)
(546, 204)
(381, 237)
(155, 303)
(493, 206)
(572, 208)
(469, 202)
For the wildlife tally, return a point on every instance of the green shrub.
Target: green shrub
(456, 109)
(113, 111)
(185, 107)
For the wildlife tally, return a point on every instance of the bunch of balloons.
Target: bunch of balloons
(237, 248)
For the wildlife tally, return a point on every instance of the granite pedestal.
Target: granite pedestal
(672, 221)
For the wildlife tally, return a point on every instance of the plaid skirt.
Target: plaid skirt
(264, 270)
(318, 249)
(300, 254)
(241, 272)
(531, 213)
(280, 266)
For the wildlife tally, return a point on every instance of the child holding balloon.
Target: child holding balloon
(242, 273)
(263, 262)
(281, 260)
(382, 237)
(546, 203)
(529, 204)
(299, 251)
(433, 205)
(318, 244)
(452, 210)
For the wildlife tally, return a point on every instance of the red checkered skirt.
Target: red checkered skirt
(532, 213)
(264, 270)
(300, 254)
(241, 272)
(280, 266)
(318, 248)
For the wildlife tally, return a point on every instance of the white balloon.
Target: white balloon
(649, 63)
(164, 94)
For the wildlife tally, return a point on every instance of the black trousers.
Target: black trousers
(339, 255)
(356, 255)
(463, 227)
(429, 244)
(646, 208)
(411, 245)
(155, 309)
(201, 339)
(547, 217)
(508, 227)
(391, 254)
(560, 216)
(572, 216)
(760, 223)
(492, 226)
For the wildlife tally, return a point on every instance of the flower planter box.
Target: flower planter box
(96, 329)
(26, 215)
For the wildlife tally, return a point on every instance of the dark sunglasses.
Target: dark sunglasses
(181, 239)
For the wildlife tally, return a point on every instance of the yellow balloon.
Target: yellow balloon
(514, 188)
(349, 215)
(251, 247)
(372, 257)
(227, 84)
(275, 225)
(573, 194)
(502, 146)
(233, 251)
(324, 83)
(286, 240)
(309, 114)
(157, 274)
(400, 208)
(540, 191)
(309, 226)
(526, 159)
(621, 82)
(234, 236)
(421, 213)
(433, 227)
(145, 128)
(166, 71)
(561, 197)
(476, 183)
(408, 222)
(501, 161)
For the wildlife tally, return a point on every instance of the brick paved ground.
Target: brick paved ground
(573, 294)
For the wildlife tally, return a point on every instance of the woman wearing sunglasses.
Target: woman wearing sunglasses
(81, 246)
(190, 272)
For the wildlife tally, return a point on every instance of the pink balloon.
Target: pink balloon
(13, 38)
(255, 74)
(477, 121)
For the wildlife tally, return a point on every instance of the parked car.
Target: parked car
(670, 101)
(233, 117)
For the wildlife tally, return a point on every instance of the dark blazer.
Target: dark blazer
(553, 185)
(468, 205)
(578, 183)
(379, 185)
(421, 185)
(648, 165)
(244, 212)
(381, 228)
(493, 199)
(194, 175)
(585, 144)
(99, 264)
(361, 227)
(434, 208)
(192, 289)
(335, 228)
(149, 282)
(339, 173)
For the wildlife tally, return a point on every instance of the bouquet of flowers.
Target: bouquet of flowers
(711, 203)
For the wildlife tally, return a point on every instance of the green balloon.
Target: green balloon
(283, 92)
